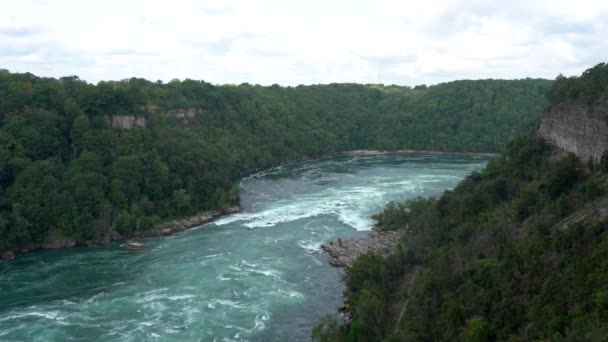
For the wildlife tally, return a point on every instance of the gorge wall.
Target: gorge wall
(129, 121)
(126, 121)
(576, 129)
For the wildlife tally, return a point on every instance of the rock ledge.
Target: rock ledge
(343, 253)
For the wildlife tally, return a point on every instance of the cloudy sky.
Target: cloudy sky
(303, 42)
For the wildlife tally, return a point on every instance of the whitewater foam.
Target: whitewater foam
(50, 315)
(259, 322)
(229, 283)
(348, 205)
(310, 246)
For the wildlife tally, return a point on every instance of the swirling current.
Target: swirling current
(258, 275)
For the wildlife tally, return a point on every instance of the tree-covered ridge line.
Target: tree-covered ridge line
(587, 89)
(65, 174)
(516, 252)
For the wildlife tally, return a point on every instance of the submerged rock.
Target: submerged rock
(136, 246)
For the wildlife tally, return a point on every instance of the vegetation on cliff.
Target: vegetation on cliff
(65, 174)
(518, 252)
(491, 259)
(588, 89)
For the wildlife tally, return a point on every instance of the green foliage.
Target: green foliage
(397, 215)
(485, 276)
(369, 310)
(591, 189)
(65, 172)
(562, 206)
(368, 271)
(604, 162)
(326, 330)
(524, 204)
(182, 200)
(588, 89)
(562, 177)
(476, 330)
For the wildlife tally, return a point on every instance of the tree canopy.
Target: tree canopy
(66, 173)
(516, 252)
(589, 88)
(489, 260)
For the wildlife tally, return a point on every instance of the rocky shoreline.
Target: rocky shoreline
(179, 225)
(380, 152)
(167, 228)
(343, 253)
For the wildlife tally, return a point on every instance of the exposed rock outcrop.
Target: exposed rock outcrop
(126, 121)
(595, 211)
(180, 113)
(575, 129)
(175, 226)
(129, 121)
(343, 253)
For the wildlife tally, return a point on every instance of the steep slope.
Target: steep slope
(577, 121)
(576, 129)
(517, 252)
(490, 259)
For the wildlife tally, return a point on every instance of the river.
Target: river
(258, 275)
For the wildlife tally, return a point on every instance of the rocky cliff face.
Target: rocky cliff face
(183, 113)
(130, 121)
(126, 121)
(576, 129)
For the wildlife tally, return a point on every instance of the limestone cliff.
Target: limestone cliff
(126, 121)
(180, 113)
(576, 129)
(129, 121)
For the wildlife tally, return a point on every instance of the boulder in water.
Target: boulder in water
(136, 246)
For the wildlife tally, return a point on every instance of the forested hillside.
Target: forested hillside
(66, 173)
(517, 252)
(589, 88)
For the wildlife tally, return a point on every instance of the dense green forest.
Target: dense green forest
(589, 88)
(65, 173)
(516, 252)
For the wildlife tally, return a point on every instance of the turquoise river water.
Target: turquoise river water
(254, 276)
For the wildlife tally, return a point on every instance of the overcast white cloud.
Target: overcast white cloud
(303, 42)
